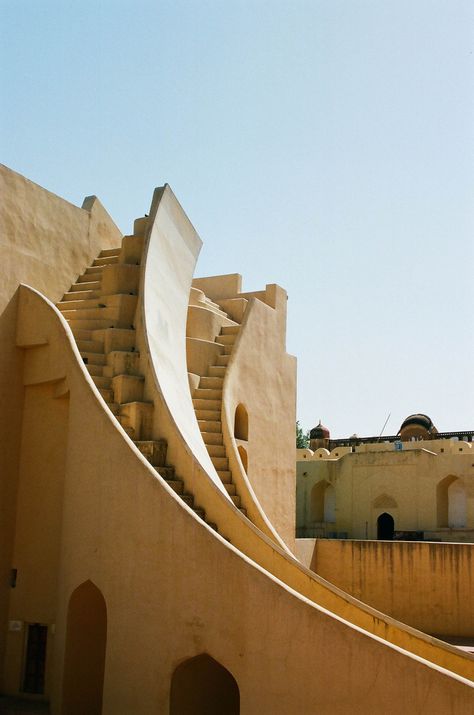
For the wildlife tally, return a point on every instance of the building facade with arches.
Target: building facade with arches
(416, 485)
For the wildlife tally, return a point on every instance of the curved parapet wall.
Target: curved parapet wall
(172, 585)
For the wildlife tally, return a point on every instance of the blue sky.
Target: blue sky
(326, 146)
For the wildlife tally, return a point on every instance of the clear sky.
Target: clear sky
(325, 145)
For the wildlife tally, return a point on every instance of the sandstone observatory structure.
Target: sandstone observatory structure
(148, 490)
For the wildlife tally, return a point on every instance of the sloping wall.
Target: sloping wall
(45, 242)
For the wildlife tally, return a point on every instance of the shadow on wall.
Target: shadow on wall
(202, 686)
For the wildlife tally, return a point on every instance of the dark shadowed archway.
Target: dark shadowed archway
(385, 527)
(202, 686)
(84, 658)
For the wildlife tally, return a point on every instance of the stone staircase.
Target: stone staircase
(100, 309)
(207, 402)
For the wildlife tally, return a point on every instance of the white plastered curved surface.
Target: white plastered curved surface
(169, 261)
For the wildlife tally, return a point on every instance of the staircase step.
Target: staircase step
(212, 438)
(78, 304)
(105, 261)
(188, 499)
(122, 362)
(243, 510)
(176, 484)
(207, 394)
(228, 349)
(230, 488)
(89, 346)
(167, 473)
(200, 404)
(132, 249)
(210, 426)
(211, 383)
(93, 358)
(91, 324)
(235, 307)
(222, 360)
(113, 407)
(110, 252)
(94, 369)
(208, 415)
(93, 270)
(108, 395)
(127, 388)
(210, 303)
(226, 338)
(72, 296)
(91, 281)
(200, 512)
(225, 476)
(103, 383)
(230, 330)
(220, 463)
(236, 499)
(84, 285)
(139, 417)
(116, 339)
(216, 450)
(154, 450)
(217, 371)
(81, 334)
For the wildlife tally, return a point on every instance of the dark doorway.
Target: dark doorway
(84, 659)
(201, 686)
(35, 659)
(385, 527)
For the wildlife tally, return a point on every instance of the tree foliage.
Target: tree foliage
(302, 438)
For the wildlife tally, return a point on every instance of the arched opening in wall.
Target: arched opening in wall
(243, 457)
(457, 505)
(449, 501)
(330, 504)
(241, 423)
(317, 501)
(84, 658)
(385, 527)
(202, 686)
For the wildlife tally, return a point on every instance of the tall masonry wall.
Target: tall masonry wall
(46, 243)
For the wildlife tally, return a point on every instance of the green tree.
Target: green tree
(302, 438)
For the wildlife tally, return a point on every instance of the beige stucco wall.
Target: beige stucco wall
(174, 588)
(376, 479)
(45, 242)
(430, 586)
(262, 377)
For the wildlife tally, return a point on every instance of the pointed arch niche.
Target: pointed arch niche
(84, 658)
(451, 503)
(202, 686)
(323, 503)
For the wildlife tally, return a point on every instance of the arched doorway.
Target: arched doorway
(241, 423)
(385, 527)
(202, 686)
(84, 658)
